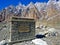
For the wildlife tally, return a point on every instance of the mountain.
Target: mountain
(45, 12)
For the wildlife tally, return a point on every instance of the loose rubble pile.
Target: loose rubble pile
(39, 42)
(47, 31)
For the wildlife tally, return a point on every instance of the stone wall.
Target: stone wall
(22, 30)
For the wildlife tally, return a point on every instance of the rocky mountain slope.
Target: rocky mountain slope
(44, 12)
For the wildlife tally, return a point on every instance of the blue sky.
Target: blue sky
(5, 3)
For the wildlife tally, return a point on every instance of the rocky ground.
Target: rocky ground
(51, 40)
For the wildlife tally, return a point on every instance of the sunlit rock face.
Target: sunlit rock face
(51, 8)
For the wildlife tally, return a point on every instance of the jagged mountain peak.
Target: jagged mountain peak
(40, 6)
(20, 6)
(30, 5)
(51, 2)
